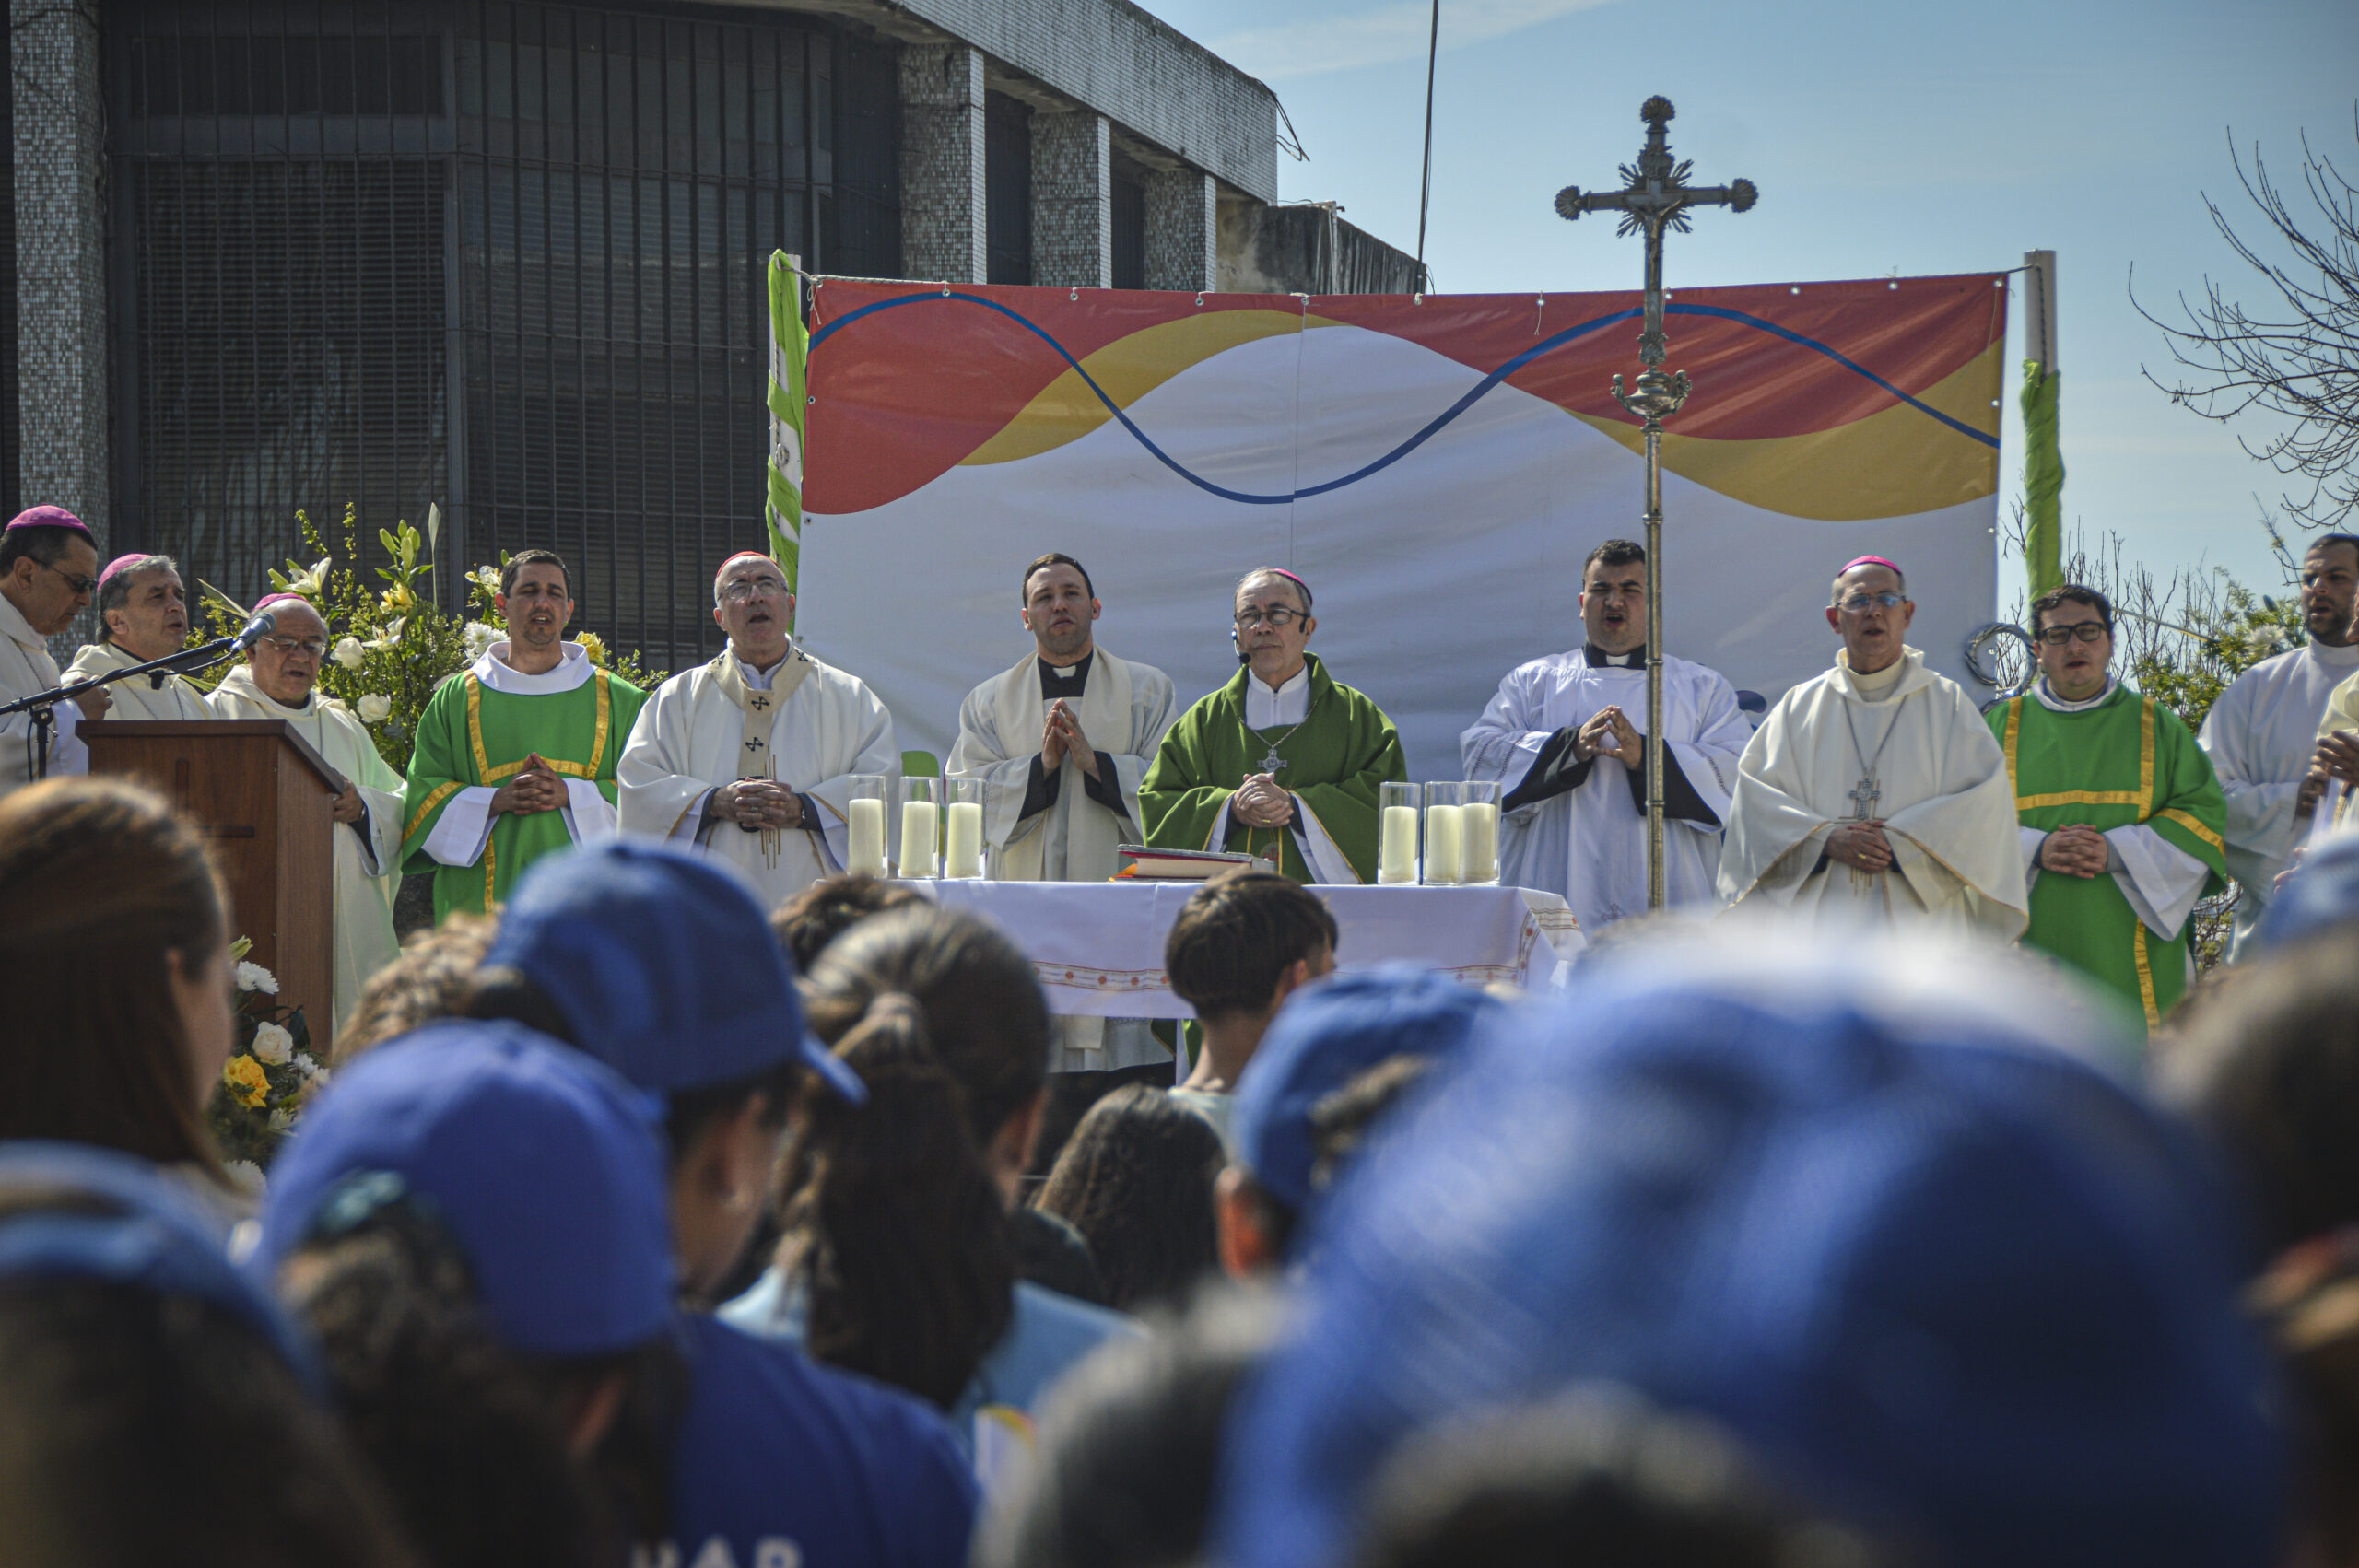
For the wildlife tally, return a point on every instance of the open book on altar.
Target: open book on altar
(1147, 865)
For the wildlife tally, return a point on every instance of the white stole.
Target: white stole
(1086, 831)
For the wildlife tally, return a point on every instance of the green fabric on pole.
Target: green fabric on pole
(789, 401)
(2042, 480)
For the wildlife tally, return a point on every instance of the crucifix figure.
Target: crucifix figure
(1655, 196)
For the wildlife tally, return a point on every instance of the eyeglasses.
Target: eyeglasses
(2079, 631)
(1278, 616)
(78, 584)
(289, 645)
(1861, 603)
(753, 588)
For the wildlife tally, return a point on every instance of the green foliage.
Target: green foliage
(2222, 637)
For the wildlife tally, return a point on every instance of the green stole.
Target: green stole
(473, 735)
(2125, 761)
(1334, 759)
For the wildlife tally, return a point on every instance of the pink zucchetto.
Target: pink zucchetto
(51, 517)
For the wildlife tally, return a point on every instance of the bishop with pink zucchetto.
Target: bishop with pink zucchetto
(1875, 792)
(48, 569)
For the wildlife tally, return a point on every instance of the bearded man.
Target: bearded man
(143, 616)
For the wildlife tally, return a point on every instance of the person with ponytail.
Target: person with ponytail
(899, 1259)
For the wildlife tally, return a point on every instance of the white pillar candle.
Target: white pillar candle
(867, 856)
(1396, 858)
(1481, 849)
(1445, 843)
(964, 857)
(917, 838)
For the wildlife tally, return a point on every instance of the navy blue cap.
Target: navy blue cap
(1854, 1202)
(1324, 1036)
(547, 1168)
(664, 965)
(2322, 892)
(157, 1236)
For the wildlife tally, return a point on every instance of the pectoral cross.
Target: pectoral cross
(1273, 761)
(1864, 796)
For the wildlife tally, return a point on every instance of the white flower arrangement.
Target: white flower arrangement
(282, 1121)
(308, 1066)
(487, 579)
(374, 707)
(254, 977)
(273, 1047)
(351, 653)
(2262, 641)
(248, 1177)
(391, 640)
(480, 636)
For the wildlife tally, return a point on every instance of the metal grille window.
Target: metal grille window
(1007, 188)
(1128, 218)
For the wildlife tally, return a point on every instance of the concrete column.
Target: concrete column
(61, 259)
(942, 163)
(1182, 229)
(1072, 200)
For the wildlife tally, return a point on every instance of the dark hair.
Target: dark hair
(1301, 588)
(2070, 593)
(1613, 553)
(45, 544)
(432, 978)
(2325, 540)
(99, 883)
(807, 922)
(1342, 1118)
(1236, 938)
(1054, 558)
(522, 558)
(1136, 1181)
(895, 1222)
(469, 1434)
(115, 592)
(1130, 1445)
(142, 1427)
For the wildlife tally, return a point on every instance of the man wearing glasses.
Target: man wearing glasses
(1285, 761)
(515, 759)
(2122, 816)
(1874, 793)
(751, 757)
(47, 564)
(279, 681)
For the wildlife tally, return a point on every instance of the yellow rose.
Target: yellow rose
(594, 646)
(247, 1082)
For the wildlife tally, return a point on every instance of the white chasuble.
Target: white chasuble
(1922, 761)
(367, 853)
(2260, 735)
(806, 724)
(1123, 710)
(1589, 842)
(135, 699)
(26, 668)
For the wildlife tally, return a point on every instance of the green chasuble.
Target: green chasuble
(472, 736)
(1334, 759)
(2121, 762)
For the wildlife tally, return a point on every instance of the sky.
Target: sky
(1886, 139)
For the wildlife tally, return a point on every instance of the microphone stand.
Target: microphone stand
(187, 662)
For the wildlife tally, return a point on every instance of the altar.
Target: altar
(1098, 946)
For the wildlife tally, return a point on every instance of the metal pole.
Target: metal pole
(1658, 891)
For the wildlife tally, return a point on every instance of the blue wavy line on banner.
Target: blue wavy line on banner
(1473, 395)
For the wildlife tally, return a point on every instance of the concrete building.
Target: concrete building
(506, 257)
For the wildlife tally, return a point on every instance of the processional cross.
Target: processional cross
(1654, 197)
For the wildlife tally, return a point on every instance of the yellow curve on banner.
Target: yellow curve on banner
(1129, 369)
(1895, 462)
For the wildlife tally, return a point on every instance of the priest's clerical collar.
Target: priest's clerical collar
(1597, 657)
(2048, 699)
(1067, 681)
(2342, 654)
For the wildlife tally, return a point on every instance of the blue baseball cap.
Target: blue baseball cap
(545, 1167)
(2323, 891)
(155, 1236)
(1324, 1036)
(1858, 1204)
(665, 965)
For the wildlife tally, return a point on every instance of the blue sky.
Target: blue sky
(1885, 138)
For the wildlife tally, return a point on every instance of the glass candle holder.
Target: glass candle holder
(1479, 814)
(1445, 835)
(1396, 860)
(866, 825)
(921, 826)
(962, 855)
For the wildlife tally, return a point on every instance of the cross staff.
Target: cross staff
(1655, 196)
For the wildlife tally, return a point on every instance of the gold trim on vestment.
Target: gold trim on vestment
(474, 728)
(2082, 798)
(2187, 821)
(439, 793)
(2146, 756)
(2146, 979)
(490, 877)
(2015, 729)
(507, 770)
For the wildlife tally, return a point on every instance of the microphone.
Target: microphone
(260, 626)
(1243, 657)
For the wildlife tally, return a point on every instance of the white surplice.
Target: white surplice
(1123, 710)
(26, 668)
(367, 853)
(1589, 843)
(135, 698)
(465, 826)
(1944, 798)
(2260, 735)
(690, 737)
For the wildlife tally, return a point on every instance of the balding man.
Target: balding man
(750, 757)
(280, 680)
(1874, 793)
(143, 616)
(49, 562)
(1283, 761)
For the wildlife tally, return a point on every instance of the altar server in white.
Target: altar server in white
(143, 616)
(751, 757)
(1061, 743)
(2262, 732)
(1563, 737)
(1875, 792)
(279, 681)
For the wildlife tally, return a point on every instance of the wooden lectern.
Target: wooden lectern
(263, 798)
